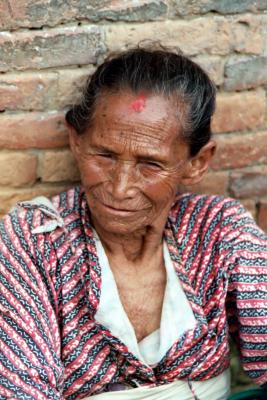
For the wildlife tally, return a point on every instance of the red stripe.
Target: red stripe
(91, 372)
(21, 384)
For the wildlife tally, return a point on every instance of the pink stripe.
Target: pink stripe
(253, 321)
(51, 333)
(19, 383)
(105, 380)
(25, 321)
(19, 340)
(79, 361)
(91, 372)
(11, 356)
(72, 304)
(32, 268)
(7, 393)
(255, 338)
(80, 332)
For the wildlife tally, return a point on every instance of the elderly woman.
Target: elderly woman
(124, 288)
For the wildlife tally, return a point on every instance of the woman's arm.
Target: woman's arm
(30, 366)
(245, 246)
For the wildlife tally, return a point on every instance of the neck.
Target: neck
(134, 246)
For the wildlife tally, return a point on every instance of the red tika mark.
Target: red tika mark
(139, 104)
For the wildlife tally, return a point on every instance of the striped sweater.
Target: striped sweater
(52, 347)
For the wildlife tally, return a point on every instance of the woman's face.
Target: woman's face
(131, 159)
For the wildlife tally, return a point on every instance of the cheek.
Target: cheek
(91, 172)
(161, 190)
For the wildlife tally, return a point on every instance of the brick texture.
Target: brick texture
(49, 48)
(33, 130)
(245, 72)
(197, 36)
(239, 111)
(213, 183)
(240, 150)
(185, 7)
(57, 166)
(28, 13)
(9, 197)
(70, 86)
(247, 34)
(27, 91)
(249, 183)
(23, 164)
(214, 66)
(39, 91)
(53, 48)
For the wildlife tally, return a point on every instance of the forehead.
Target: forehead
(141, 116)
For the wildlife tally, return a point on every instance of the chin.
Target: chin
(120, 222)
(120, 226)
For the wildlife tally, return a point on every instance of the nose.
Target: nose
(122, 181)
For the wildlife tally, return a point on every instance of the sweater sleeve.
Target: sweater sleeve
(30, 366)
(244, 247)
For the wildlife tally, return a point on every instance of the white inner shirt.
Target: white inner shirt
(177, 317)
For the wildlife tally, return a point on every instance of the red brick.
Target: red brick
(33, 130)
(212, 183)
(17, 169)
(28, 13)
(50, 48)
(58, 166)
(214, 66)
(70, 86)
(205, 35)
(249, 183)
(9, 197)
(185, 7)
(128, 10)
(194, 37)
(247, 34)
(42, 90)
(4, 15)
(239, 111)
(27, 91)
(245, 72)
(262, 214)
(240, 150)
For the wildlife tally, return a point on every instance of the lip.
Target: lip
(119, 211)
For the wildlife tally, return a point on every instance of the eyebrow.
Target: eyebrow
(144, 156)
(156, 157)
(100, 147)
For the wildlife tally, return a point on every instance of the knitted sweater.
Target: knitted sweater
(50, 285)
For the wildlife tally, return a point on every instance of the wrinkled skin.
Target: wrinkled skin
(131, 163)
(132, 159)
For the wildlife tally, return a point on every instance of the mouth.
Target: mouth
(119, 211)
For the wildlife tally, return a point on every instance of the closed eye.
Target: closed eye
(152, 164)
(106, 155)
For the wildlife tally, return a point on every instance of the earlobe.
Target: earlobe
(199, 164)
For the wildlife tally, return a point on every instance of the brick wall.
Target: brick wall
(47, 49)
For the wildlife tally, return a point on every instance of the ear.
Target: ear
(74, 141)
(199, 164)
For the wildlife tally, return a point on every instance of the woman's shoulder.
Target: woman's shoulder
(41, 213)
(211, 203)
(206, 209)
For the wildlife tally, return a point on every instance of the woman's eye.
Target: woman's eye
(105, 155)
(152, 164)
